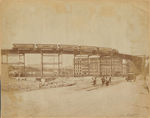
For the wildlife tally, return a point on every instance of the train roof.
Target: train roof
(86, 46)
(67, 45)
(46, 44)
(23, 44)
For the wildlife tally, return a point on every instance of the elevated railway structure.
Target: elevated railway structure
(56, 51)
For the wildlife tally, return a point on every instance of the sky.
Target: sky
(114, 24)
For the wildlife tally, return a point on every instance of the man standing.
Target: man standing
(110, 79)
(103, 80)
(107, 81)
(94, 81)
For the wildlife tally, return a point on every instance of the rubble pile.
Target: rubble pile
(10, 87)
(55, 84)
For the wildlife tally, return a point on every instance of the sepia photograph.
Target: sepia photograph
(74, 58)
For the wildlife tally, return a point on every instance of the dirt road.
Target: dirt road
(121, 98)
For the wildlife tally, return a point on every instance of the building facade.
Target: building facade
(99, 66)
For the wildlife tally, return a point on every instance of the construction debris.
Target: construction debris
(10, 87)
(55, 84)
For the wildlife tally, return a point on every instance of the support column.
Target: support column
(122, 66)
(100, 64)
(127, 67)
(111, 64)
(80, 64)
(143, 68)
(88, 65)
(58, 64)
(97, 64)
(53, 63)
(1, 58)
(61, 63)
(41, 64)
(24, 66)
(18, 64)
(7, 58)
(74, 65)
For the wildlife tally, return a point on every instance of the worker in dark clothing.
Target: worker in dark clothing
(110, 79)
(94, 81)
(126, 77)
(107, 81)
(134, 78)
(103, 80)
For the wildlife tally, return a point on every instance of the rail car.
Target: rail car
(23, 46)
(115, 51)
(46, 46)
(89, 48)
(70, 47)
(104, 49)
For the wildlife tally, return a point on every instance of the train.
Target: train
(92, 48)
(23, 46)
(105, 50)
(65, 47)
(71, 47)
(115, 51)
(46, 46)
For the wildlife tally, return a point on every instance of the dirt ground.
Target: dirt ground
(120, 98)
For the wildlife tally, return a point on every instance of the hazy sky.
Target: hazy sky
(120, 25)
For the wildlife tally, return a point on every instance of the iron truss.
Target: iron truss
(138, 61)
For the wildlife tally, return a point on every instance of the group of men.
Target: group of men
(105, 80)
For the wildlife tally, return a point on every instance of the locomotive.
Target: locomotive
(115, 51)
